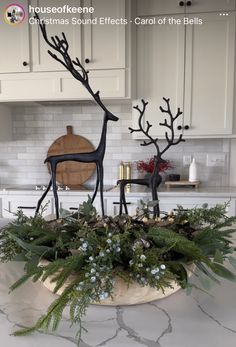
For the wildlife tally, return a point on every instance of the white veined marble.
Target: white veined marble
(177, 321)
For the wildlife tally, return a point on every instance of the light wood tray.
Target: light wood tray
(122, 294)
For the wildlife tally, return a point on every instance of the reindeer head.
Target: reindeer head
(75, 67)
(111, 116)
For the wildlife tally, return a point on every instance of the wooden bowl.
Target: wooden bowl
(123, 294)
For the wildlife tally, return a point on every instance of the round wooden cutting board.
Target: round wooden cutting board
(71, 173)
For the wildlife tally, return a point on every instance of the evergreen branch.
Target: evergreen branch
(168, 238)
(222, 271)
(34, 272)
(39, 250)
(72, 264)
(150, 252)
(20, 281)
(207, 272)
(53, 313)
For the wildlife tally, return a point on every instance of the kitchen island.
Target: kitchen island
(13, 197)
(177, 321)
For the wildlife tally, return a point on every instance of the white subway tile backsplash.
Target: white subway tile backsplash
(17, 124)
(81, 117)
(36, 149)
(34, 162)
(36, 127)
(91, 109)
(31, 156)
(5, 156)
(111, 149)
(129, 149)
(122, 156)
(126, 109)
(114, 136)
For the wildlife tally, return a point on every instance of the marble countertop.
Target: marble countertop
(136, 191)
(176, 321)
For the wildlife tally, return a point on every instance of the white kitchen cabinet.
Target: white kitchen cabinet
(27, 203)
(232, 209)
(160, 71)
(41, 60)
(10, 201)
(103, 47)
(159, 7)
(104, 44)
(168, 204)
(71, 203)
(209, 75)
(14, 55)
(98, 47)
(113, 205)
(193, 65)
(196, 6)
(58, 86)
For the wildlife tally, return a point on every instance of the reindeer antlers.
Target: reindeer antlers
(145, 132)
(170, 140)
(62, 46)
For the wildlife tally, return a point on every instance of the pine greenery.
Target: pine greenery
(89, 252)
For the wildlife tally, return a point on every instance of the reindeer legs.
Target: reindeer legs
(122, 197)
(100, 177)
(97, 184)
(156, 208)
(54, 187)
(42, 197)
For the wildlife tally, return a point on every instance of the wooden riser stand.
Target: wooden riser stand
(182, 183)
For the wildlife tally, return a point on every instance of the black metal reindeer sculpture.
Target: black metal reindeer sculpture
(154, 180)
(61, 46)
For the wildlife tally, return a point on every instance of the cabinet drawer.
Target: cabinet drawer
(113, 206)
(71, 204)
(10, 205)
(170, 204)
(110, 83)
(60, 86)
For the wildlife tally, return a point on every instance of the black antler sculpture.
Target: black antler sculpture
(61, 46)
(155, 178)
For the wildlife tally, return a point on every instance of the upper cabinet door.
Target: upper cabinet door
(104, 44)
(160, 72)
(14, 55)
(159, 7)
(41, 60)
(209, 71)
(209, 5)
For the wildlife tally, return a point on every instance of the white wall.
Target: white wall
(36, 127)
